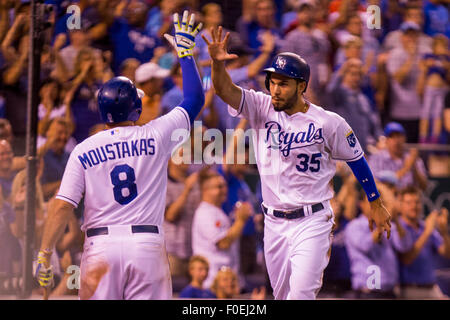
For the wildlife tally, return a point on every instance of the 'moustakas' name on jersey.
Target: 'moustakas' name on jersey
(126, 168)
(296, 155)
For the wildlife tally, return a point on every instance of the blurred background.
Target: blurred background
(385, 69)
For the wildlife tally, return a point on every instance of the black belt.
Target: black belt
(134, 229)
(294, 214)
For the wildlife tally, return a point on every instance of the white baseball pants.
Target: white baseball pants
(297, 252)
(125, 266)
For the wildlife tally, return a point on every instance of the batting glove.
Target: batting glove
(43, 274)
(184, 40)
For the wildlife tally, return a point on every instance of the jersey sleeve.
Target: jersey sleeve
(253, 106)
(173, 128)
(72, 184)
(343, 143)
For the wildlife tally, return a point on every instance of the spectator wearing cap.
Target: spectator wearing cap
(436, 17)
(403, 69)
(149, 78)
(311, 44)
(430, 238)
(368, 250)
(414, 14)
(214, 235)
(350, 102)
(407, 167)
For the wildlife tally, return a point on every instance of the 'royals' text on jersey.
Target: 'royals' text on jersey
(296, 155)
(123, 172)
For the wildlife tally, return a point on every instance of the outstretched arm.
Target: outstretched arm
(224, 86)
(184, 43)
(379, 215)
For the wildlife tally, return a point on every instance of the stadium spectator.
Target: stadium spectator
(226, 286)
(128, 68)
(373, 259)
(126, 29)
(407, 167)
(149, 77)
(7, 173)
(436, 17)
(412, 14)
(214, 236)
(347, 100)
(211, 18)
(430, 237)
(403, 68)
(174, 96)
(160, 17)
(251, 31)
(9, 248)
(312, 45)
(81, 95)
(56, 158)
(198, 271)
(433, 86)
(182, 199)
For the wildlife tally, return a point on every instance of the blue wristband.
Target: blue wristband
(364, 175)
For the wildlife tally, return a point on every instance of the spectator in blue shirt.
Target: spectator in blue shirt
(174, 96)
(129, 36)
(436, 17)
(373, 259)
(430, 238)
(252, 32)
(198, 271)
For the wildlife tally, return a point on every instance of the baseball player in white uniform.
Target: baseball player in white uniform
(296, 147)
(122, 173)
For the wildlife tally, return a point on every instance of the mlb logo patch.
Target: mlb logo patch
(351, 139)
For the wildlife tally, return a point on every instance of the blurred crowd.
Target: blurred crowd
(391, 84)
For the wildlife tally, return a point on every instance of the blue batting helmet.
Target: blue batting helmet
(290, 65)
(119, 100)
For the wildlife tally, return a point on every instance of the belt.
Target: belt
(134, 229)
(293, 214)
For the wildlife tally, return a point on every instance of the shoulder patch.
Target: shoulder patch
(351, 139)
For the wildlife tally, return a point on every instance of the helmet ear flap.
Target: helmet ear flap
(137, 110)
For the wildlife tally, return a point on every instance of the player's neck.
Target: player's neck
(301, 106)
(119, 124)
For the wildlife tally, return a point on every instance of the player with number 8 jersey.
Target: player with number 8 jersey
(122, 174)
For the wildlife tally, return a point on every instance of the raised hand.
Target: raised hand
(217, 48)
(184, 40)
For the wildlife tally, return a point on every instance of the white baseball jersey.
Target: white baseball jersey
(211, 224)
(296, 155)
(123, 172)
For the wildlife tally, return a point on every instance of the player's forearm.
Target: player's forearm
(364, 175)
(59, 215)
(224, 86)
(194, 98)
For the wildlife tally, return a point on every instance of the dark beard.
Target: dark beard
(289, 104)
